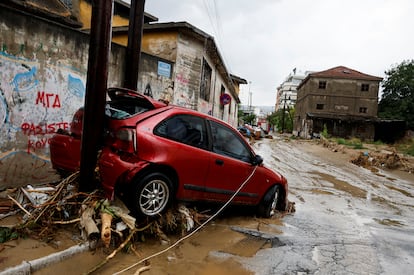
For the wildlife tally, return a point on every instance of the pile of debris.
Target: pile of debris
(383, 159)
(101, 223)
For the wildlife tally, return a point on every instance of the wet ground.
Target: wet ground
(348, 220)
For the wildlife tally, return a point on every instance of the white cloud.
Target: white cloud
(263, 40)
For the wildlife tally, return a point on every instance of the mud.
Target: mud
(349, 220)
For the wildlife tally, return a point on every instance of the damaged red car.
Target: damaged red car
(154, 154)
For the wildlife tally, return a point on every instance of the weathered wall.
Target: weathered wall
(341, 97)
(42, 83)
(186, 55)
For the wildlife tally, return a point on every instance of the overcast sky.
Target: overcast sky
(262, 41)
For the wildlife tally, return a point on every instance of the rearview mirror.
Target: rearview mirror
(257, 160)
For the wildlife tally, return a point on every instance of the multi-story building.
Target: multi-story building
(286, 92)
(342, 100)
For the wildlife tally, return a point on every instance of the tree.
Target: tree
(397, 101)
(283, 122)
(249, 118)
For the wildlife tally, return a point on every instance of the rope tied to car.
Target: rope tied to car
(196, 230)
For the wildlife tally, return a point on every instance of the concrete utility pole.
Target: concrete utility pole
(133, 54)
(96, 85)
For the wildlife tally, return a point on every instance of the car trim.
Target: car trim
(218, 191)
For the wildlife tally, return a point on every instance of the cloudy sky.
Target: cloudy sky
(262, 41)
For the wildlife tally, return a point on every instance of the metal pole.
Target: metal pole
(283, 115)
(133, 54)
(96, 85)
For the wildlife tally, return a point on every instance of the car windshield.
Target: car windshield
(126, 108)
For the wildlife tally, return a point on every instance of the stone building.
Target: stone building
(343, 100)
(185, 67)
(43, 71)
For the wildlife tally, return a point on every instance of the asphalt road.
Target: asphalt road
(348, 220)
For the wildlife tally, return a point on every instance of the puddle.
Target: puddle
(321, 192)
(389, 222)
(247, 247)
(341, 185)
(391, 187)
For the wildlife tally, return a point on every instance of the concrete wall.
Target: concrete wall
(42, 83)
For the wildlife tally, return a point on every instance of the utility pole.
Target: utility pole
(133, 54)
(283, 115)
(96, 85)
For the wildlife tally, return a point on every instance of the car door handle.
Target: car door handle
(219, 162)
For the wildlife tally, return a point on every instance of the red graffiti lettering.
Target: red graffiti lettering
(31, 129)
(48, 100)
(37, 145)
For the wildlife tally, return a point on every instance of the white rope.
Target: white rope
(193, 232)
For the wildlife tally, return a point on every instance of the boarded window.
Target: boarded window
(322, 85)
(205, 81)
(363, 110)
(365, 87)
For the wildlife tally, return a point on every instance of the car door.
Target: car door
(184, 148)
(230, 165)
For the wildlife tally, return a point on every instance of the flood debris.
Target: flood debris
(102, 224)
(383, 159)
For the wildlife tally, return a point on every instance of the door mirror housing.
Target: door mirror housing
(257, 160)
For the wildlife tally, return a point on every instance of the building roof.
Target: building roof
(344, 72)
(67, 14)
(341, 72)
(238, 79)
(53, 10)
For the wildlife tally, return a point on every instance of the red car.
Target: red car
(154, 153)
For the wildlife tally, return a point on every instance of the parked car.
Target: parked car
(154, 153)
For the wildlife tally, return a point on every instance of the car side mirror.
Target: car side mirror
(257, 160)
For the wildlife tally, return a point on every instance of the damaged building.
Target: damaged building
(341, 100)
(43, 72)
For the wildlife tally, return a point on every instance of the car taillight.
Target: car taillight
(125, 140)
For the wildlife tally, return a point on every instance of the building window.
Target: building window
(365, 87)
(222, 92)
(205, 81)
(319, 106)
(363, 110)
(322, 85)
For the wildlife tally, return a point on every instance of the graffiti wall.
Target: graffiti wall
(37, 100)
(42, 83)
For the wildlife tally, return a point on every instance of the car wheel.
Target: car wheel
(270, 202)
(152, 195)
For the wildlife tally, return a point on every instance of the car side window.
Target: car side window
(227, 143)
(186, 129)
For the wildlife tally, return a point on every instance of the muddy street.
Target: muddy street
(348, 220)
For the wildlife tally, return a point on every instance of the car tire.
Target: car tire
(152, 195)
(271, 201)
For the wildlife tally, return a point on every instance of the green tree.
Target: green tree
(249, 119)
(283, 122)
(397, 100)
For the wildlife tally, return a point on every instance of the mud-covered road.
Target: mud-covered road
(348, 220)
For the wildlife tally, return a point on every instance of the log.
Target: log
(87, 222)
(106, 228)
